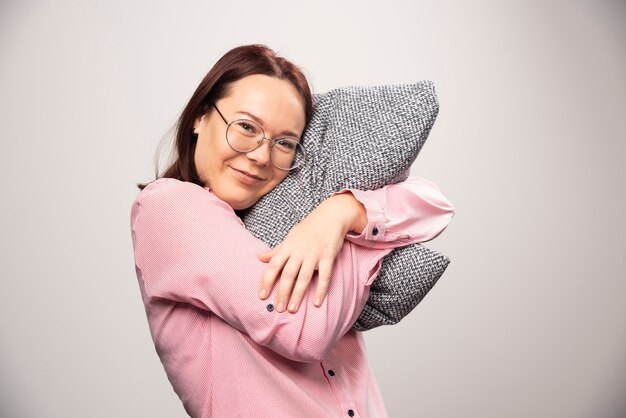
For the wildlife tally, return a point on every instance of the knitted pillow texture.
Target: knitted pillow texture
(362, 138)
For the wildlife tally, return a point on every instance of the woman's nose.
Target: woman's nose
(262, 154)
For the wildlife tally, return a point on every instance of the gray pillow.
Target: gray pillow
(362, 138)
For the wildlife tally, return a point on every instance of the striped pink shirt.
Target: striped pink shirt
(228, 353)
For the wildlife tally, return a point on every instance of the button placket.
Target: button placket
(333, 377)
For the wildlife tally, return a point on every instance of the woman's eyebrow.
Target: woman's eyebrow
(258, 120)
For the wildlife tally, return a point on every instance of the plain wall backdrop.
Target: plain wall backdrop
(529, 320)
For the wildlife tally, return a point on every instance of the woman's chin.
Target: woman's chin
(240, 206)
(239, 203)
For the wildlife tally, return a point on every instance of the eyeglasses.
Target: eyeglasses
(245, 135)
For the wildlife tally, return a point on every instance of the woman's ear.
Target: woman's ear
(197, 124)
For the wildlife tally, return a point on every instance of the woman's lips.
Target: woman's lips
(246, 177)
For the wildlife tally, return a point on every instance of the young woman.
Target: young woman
(243, 330)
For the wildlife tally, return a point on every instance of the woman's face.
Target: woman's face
(241, 179)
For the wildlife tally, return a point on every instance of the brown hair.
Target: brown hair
(236, 64)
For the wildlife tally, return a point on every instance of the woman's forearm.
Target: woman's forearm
(191, 248)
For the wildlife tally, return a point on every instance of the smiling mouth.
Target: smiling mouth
(251, 176)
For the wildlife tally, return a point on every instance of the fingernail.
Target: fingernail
(263, 294)
(317, 302)
(280, 307)
(292, 306)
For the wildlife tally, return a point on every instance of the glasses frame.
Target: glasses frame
(260, 142)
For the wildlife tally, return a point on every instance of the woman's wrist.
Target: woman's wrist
(351, 212)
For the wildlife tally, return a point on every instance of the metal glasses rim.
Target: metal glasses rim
(260, 142)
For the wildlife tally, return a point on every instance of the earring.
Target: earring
(194, 135)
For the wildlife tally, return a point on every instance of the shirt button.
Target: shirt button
(374, 232)
(350, 413)
(331, 372)
(270, 307)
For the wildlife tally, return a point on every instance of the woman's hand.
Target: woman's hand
(311, 245)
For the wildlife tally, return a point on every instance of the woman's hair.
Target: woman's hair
(236, 64)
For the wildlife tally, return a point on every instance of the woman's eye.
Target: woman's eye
(286, 144)
(247, 128)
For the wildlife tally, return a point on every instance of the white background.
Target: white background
(529, 320)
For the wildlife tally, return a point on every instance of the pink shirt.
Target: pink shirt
(228, 353)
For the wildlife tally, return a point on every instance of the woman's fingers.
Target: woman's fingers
(302, 284)
(323, 282)
(285, 285)
(275, 265)
(266, 257)
(289, 268)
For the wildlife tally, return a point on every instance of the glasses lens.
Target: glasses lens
(287, 154)
(244, 135)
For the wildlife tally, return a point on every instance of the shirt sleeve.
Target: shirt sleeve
(404, 213)
(190, 247)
